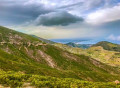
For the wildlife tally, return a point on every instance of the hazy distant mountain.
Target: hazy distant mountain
(83, 46)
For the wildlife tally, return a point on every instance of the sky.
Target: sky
(64, 19)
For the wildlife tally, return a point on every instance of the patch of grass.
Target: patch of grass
(17, 79)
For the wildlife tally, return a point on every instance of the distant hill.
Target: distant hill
(29, 55)
(108, 46)
(83, 46)
(97, 52)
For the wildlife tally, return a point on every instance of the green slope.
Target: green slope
(108, 46)
(97, 52)
(105, 56)
(21, 52)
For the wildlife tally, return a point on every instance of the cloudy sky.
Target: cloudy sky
(63, 19)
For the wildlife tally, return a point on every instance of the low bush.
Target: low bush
(17, 79)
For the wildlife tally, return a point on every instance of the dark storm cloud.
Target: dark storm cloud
(19, 12)
(57, 18)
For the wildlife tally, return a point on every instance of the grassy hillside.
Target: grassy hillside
(105, 56)
(29, 55)
(97, 52)
(108, 46)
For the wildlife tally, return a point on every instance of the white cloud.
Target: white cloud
(104, 15)
(112, 37)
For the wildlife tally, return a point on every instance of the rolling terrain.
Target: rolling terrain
(99, 51)
(24, 53)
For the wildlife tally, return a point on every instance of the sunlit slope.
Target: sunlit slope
(97, 52)
(108, 46)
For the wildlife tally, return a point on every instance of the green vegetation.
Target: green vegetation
(97, 52)
(12, 79)
(18, 79)
(32, 58)
(109, 57)
(108, 46)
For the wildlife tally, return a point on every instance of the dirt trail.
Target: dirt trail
(27, 85)
(3, 86)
